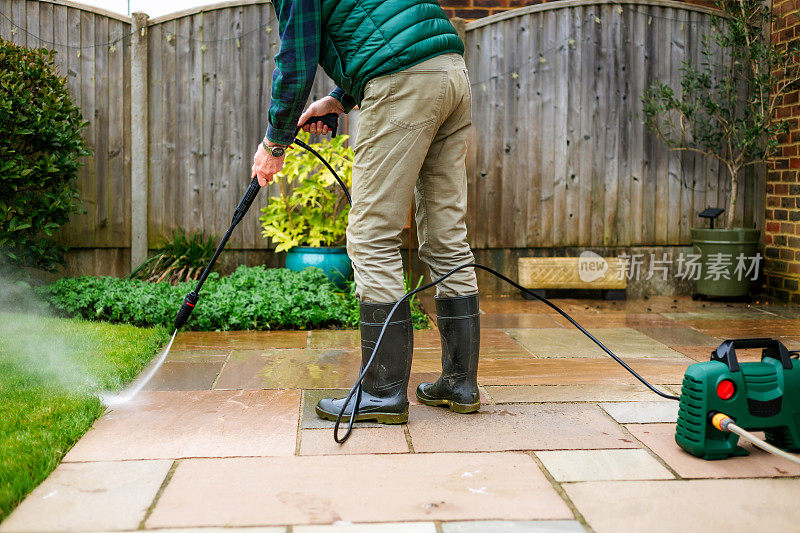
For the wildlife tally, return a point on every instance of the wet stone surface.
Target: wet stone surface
(228, 433)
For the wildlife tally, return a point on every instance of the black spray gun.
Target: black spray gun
(330, 120)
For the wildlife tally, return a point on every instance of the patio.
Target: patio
(566, 441)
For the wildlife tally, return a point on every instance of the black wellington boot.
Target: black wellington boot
(383, 397)
(459, 327)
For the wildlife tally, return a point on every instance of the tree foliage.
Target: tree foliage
(40, 147)
(729, 112)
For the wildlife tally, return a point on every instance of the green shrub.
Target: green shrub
(252, 298)
(311, 209)
(40, 143)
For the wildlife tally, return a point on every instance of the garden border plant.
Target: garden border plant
(40, 150)
(251, 298)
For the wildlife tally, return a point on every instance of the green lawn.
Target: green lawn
(49, 368)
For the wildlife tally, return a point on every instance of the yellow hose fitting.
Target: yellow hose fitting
(721, 421)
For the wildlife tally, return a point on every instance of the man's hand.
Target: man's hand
(326, 105)
(265, 166)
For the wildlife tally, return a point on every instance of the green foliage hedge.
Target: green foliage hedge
(252, 298)
(40, 143)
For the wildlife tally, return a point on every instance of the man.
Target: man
(402, 62)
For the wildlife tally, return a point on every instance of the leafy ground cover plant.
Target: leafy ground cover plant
(252, 298)
(40, 147)
(311, 209)
(182, 257)
(46, 385)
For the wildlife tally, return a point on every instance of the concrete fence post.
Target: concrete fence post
(461, 28)
(139, 140)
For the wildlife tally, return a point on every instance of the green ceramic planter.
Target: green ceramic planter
(731, 243)
(334, 261)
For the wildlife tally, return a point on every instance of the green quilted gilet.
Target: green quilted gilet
(363, 39)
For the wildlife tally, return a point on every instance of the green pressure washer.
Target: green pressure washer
(721, 399)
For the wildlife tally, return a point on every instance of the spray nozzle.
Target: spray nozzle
(186, 309)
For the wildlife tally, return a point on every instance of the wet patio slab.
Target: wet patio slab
(700, 505)
(515, 427)
(324, 490)
(90, 497)
(613, 392)
(661, 439)
(625, 342)
(290, 368)
(171, 425)
(566, 440)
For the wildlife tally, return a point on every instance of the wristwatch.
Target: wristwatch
(274, 151)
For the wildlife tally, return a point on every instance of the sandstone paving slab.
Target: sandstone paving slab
(290, 369)
(365, 488)
(386, 439)
(404, 527)
(515, 427)
(792, 342)
(518, 320)
(494, 343)
(680, 506)
(614, 319)
(625, 342)
(160, 425)
(507, 526)
(277, 529)
(90, 497)
(613, 392)
(602, 465)
(731, 329)
(573, 371)
(679, 335)
(240, 340)
(502, 305)
(729, 313)
(334, 338)
(661, 439)
(702, 354)
(642, 412)
(184, 376)
(197, 355)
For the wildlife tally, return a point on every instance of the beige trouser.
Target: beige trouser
(412, 134)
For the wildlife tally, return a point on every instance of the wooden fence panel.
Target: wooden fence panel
(559, 157)
(92, 52)
(593, 175)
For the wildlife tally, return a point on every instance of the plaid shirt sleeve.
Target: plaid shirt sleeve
(347, 101)
(300, 27)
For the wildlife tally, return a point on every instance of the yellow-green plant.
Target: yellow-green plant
(311, 209)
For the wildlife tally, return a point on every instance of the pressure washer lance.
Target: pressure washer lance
(332, 121)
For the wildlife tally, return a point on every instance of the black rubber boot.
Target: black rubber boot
(383, 396)
(459, 327)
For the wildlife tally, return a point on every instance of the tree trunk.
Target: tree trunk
(734, 193)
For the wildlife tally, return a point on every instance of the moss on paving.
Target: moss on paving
(49, 369)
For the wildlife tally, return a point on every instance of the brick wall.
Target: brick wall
(475, 9)
(782, 235)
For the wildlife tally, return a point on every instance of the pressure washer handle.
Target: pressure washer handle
(726, 352)
(246, 201)
(331, 120)
(186, 309)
